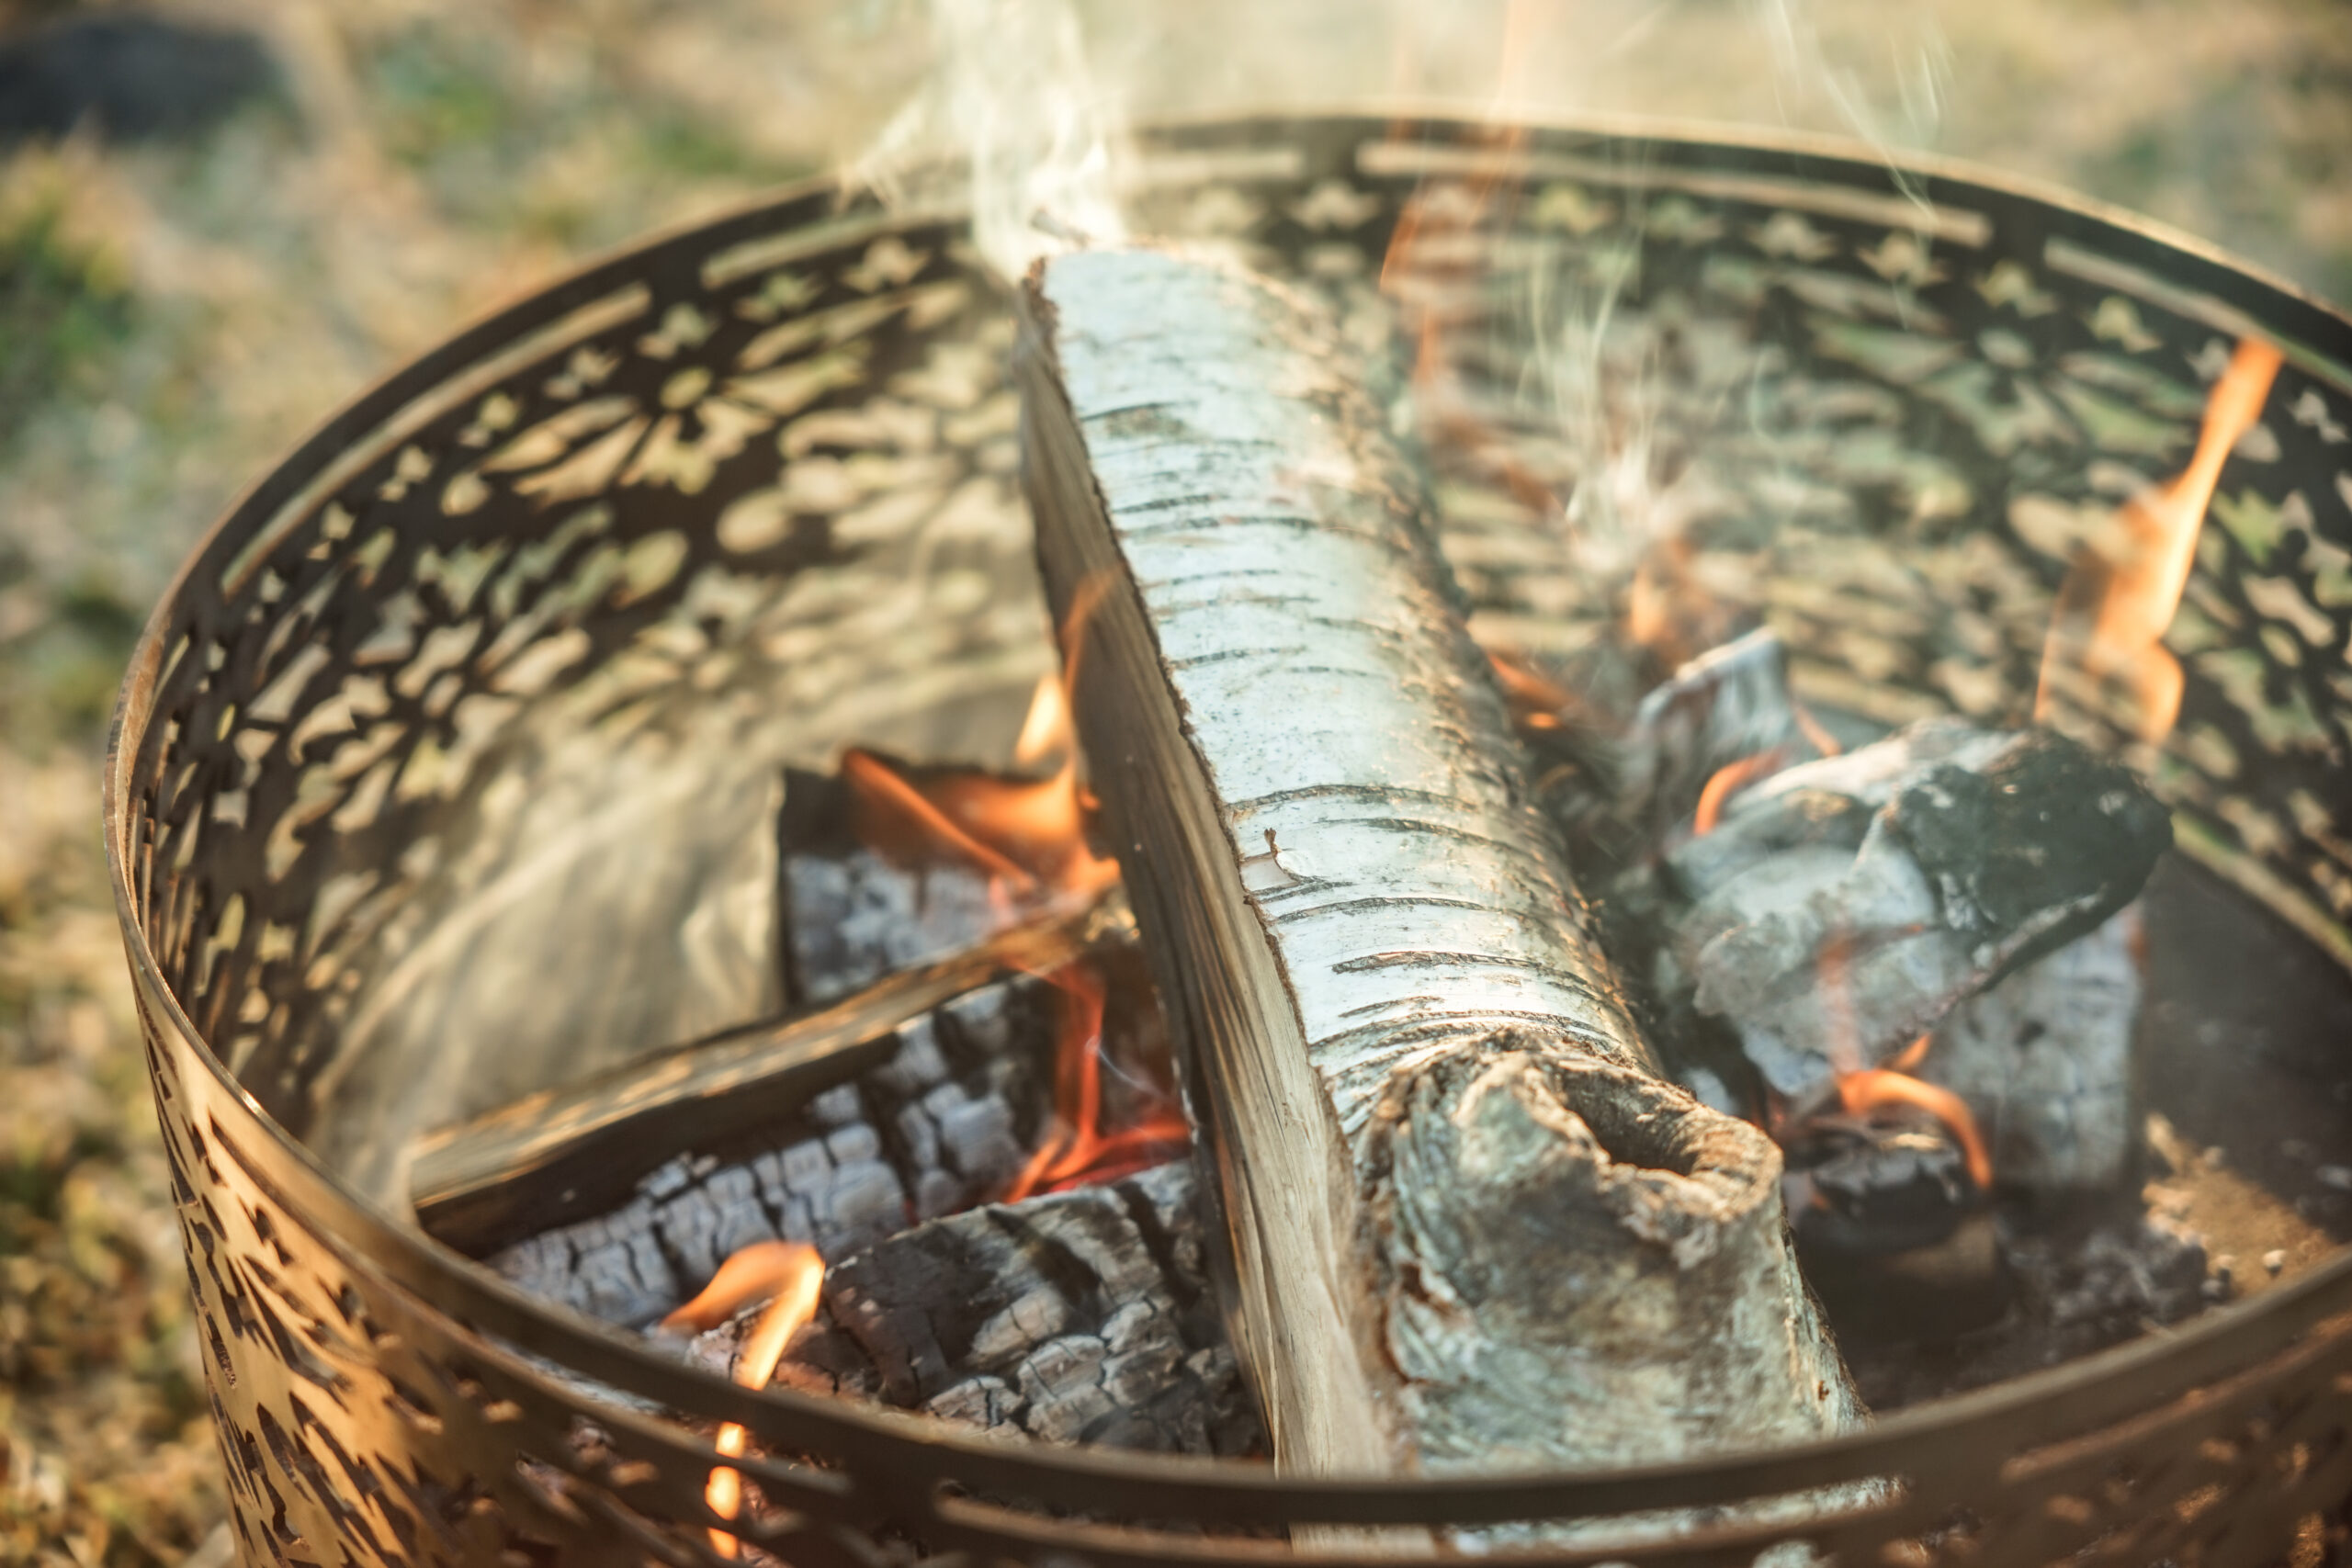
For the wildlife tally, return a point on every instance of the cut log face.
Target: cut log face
(1079, 1316)
(1844, 907)
(1351, 903)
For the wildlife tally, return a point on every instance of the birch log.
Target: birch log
(1470, 1226)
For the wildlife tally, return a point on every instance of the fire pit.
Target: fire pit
(448, 774)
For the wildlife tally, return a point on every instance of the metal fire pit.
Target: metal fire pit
(530, 620)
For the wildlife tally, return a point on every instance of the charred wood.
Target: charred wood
(1865, 1186)
(1438, 1141)
(1730, 707)
(947, 1120)
(849, 911)
(2044, 1059)
(1844, 907)
(1077, 1316)
(569, 1153)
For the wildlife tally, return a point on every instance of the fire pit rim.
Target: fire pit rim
(2078, 1396)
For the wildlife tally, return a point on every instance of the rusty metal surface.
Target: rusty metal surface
(731, 499)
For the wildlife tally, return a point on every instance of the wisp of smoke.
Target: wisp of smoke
(1010, 88)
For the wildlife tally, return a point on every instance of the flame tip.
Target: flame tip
(2126, 583)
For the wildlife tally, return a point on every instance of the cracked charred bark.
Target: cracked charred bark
(1077, 1316)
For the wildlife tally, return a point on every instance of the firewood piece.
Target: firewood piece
(945, 1121)
(1369, 950)
(566, 1153)
(1842, 908)
(1077, 1316)
(2044, 1061)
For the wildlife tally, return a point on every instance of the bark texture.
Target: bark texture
(1415, 1069)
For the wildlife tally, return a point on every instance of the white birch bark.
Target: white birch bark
(1470, 1226)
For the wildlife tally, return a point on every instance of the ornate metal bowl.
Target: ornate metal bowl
(452, 720)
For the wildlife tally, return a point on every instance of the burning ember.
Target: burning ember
(791, 1273)
(2126, 582)
(1727, 781)
(1867, 1090)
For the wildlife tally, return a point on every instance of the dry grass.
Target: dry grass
(171, 318)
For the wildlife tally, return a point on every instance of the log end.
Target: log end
(1606, 1284)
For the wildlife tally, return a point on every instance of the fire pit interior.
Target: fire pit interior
(613, 806)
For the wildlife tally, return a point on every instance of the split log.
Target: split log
(566, 1154)
(1084, 1316)
(945, 1121)
(1844, 907)
(1469, 1226)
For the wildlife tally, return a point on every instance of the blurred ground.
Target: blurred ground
(176, 311)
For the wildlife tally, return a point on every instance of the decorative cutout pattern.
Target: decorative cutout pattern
(768, 468)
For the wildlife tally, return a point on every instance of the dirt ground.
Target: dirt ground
(175, 311)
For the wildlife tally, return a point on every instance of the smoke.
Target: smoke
(1012, 91)
(1028, 101)
(1902, 108)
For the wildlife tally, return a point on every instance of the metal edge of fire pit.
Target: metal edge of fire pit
(372, 1403)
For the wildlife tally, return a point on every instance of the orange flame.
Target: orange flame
(1534, 698)
(1427, 255)
(1862, 1089)
(1728, 781)
(1910, 1056)
(2119, 596)
(1079, 1151)
(792, 1273)
(1863, 1092)
(1027, 836)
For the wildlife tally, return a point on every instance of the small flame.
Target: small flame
(1048, 727)
(1433, 249)
(1536, 701)
(2119, 597)
(791, 1273)
(1028, 837)
(1077, 1152)
(1862, 1089)
(1728, 781)
(1872, 1087)
(1909, 1059)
